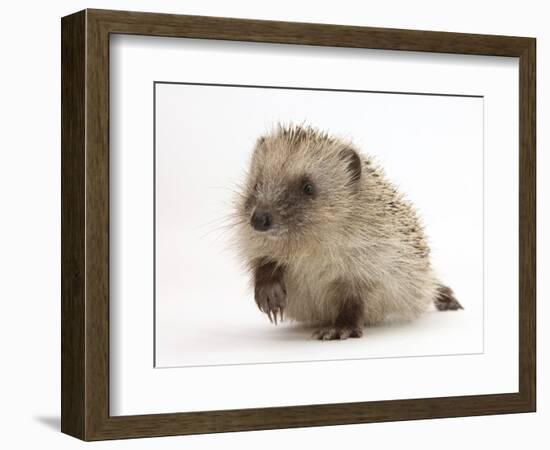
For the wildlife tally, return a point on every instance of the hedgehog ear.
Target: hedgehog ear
(353, 161)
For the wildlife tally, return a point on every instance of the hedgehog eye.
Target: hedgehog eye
(308, 189)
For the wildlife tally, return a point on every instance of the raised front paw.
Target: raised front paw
(337, 333)
(270, 297)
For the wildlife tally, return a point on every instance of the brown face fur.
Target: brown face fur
(297, 181)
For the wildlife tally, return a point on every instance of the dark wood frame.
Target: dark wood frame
(85, 224)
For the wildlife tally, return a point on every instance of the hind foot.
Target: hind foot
(337, 333)
(445, 300)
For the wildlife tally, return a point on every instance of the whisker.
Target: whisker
(223, 228)
(237, 190)
(220, 220)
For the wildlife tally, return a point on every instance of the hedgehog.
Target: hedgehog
(328, 240)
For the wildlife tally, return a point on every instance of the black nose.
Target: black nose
(261, 220)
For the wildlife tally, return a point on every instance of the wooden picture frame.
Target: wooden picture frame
(85, 224)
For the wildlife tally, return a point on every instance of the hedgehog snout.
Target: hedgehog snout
(261, 220)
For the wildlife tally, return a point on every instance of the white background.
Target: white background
(430, 146)
(30, 238)
(137, 388)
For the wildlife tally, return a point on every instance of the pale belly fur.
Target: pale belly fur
(313, 291)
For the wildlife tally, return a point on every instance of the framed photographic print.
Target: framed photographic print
(272, 224)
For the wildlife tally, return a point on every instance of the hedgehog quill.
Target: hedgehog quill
(328, 240)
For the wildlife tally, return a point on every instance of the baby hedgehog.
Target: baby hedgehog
(327, 238)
